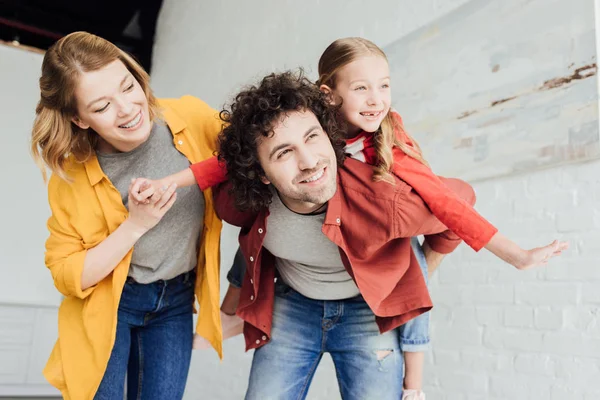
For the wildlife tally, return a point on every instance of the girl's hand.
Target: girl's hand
(142, 189)
(144, 215)
(540, 255)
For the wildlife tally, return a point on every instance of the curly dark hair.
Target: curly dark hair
(252, 115)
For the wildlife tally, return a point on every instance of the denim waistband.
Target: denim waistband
(182, 278)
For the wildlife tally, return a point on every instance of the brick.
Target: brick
(489, 316)
(574, 220)
(582, 319)
(577, 372)
(561, 393)
(440, 314)
(520, 386)
(464, 316)
(548, 319)
(452, 295)
(456, 382)
(518, 317)
(466, 273)
(506, 273)
(445, 358)
(512, 339)
(495, 294)
(506, 386)
(573, 269)
(455, 338)
(476, 360)
(546, 294)
(571, 344)
(590, 293)
(534, 364)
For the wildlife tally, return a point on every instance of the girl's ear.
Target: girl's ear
(329, 92)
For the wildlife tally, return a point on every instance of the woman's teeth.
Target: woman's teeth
(133, 123)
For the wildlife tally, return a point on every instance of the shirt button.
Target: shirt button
(258, 342)
(251, 281)
(252, 297)
(260, 230)
(251, 258)
(275, 280)
(264, 338)
(337, 220)
(180, 142)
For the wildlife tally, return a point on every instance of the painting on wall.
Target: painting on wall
(501, 87)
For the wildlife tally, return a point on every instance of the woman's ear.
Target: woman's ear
(79, 123)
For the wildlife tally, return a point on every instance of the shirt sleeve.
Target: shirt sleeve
(65, 252)
(454, 208)
(209, 173)
(226, 209)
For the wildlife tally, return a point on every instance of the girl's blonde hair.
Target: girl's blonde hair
(342, 52)
(54, 136)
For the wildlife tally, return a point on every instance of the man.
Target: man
(330, 266)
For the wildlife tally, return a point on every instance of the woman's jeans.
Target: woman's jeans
(153, 344)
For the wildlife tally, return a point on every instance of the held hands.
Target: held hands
(540, 255)
(149, 201)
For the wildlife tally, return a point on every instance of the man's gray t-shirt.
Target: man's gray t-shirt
(306, 259)
(171, 247)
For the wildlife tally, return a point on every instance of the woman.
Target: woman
(128, 269)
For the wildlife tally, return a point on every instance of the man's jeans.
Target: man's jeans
(414, 335)
(368, 364)
(153, 344)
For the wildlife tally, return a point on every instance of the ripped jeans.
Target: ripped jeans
(368, 364)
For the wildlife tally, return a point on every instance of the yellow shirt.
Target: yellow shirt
(84, 213)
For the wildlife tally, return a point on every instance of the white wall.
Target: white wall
(497, 333)
(28, 299)
(23, 205)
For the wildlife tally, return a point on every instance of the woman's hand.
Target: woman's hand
(149, 201)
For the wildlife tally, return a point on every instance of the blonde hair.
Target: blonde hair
(342, 52)
(54, 136)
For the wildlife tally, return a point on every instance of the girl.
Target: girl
(354, 72)
(128, 302)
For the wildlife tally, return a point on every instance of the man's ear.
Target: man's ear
(329, 92)
(265, 180)
(79, 123)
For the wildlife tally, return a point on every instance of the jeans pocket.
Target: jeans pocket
(283, 289)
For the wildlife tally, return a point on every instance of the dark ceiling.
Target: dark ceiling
(39, 23)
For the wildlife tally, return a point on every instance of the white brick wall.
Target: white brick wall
(497, 333)
(541, 328)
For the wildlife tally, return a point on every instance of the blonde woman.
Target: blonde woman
(129, 270)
